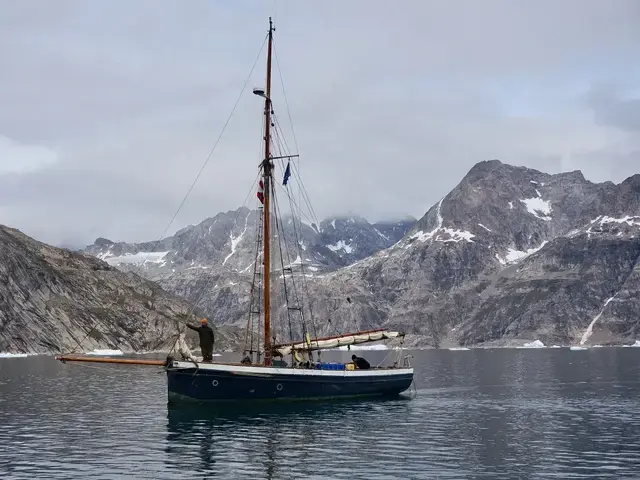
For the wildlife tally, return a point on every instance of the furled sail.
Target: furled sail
(337, 341)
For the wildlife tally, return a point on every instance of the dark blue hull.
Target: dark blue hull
(198, 384)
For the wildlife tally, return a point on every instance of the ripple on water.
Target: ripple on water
(516, 414)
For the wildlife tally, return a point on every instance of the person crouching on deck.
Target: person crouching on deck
(360, 363)
(206, 339)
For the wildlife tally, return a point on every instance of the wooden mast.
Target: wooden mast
(267, 168)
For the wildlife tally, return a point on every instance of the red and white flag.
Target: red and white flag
(261, 192)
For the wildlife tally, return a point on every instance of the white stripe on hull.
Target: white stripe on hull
(267, 371)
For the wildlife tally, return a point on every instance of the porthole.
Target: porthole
(214, 383)
(279, 386)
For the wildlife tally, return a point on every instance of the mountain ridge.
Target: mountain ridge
(502, 227)
(335, 242)
(53, 300)
(491, 229)
(510, 255)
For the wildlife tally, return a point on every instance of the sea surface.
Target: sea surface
(501, 413)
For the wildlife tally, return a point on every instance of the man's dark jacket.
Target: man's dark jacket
(205, 333)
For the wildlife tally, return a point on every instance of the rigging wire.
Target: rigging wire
(205, 285)
(256, 279)
(136, 271)
(286, 103)
(301, 214)
(215, 145)
(303, 191)
(284, 95)
(287, 252)
(295, 171)
(285, 255)
(279, 144)
(251, 335)
(235, 221)
(281, 235)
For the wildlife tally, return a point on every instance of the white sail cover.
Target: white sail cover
(334, 342)
(183, 349)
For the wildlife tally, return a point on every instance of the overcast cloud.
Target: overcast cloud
(109, 108)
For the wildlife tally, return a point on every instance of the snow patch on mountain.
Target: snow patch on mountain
(589, 331)
(538, 207)
(381, 234)
(297, 261)
(341, 245)
(631, 221)
(424, 236)
(236, 240)
(443, 235)
(139, 258)
(514, 255)
(454, 236)
(438, 234)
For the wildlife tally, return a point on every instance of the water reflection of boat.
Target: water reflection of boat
(271, 441)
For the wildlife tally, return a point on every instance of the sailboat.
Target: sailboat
(270, 368)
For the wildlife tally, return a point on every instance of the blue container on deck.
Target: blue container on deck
(330, 366)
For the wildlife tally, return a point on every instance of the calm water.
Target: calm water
(549, 413)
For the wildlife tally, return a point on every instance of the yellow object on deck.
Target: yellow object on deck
(350, 366)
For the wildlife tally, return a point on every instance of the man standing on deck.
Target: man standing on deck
(206, 339)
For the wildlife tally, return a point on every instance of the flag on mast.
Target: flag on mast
(260, 193)
(287, 173)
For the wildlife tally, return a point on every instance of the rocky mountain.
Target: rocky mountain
(227, 242)
(53, 300)
(211, 263)
(510, 255)
(354, 238)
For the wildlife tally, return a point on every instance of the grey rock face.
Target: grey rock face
(211, 264)
(555, 294)
(53, 300)
(511, 254)
(227, 243)
(354, 238)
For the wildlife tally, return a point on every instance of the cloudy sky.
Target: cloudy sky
(108, 109)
